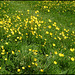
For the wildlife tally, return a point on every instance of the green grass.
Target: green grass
(27, 42)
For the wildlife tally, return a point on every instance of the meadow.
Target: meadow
(37, 37)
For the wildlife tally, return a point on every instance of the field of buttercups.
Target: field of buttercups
(37, 37)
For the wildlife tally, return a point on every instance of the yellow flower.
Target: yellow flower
(53, 44)
(29, 66)
(3, 50)
(20, 37)
(2, 47)
(1, 39)
(36, 64)
(57, 28)
(61, 55)
(28, 10)
(20, 25)
(49, 26)
(64, 48)
(48, 10)
(19, 32)
(55, 38)
(55, 62)
(33, 63)
(33, 50)
(18, 70)
(6, 59)
(45, 6)
(41, 37)
(65, 37)
(39, 25)
(54, 22)
(31, 28)
(44, 43)
(55, 52)
(46, 54)
(73, 32)
(23, 67)
(2, 53)
(18, 17)
(59, 38)
(1, 22)
(35, 28)
(6, 43)
(7, 52)
(35, 53)
(26, 36)
(18, 50)
(64, 29)
(30, 49)
(70, 23)
(37, 11)
(49, 20)
(0, 67)
(50, 33)
(17, 37)
(35, 59)
(71, 49)
(37, 15)
(41, 70)
(72, 59)
(12, 52)
(12, 33)
(26, 33)
(45, 39)
(36, 36)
